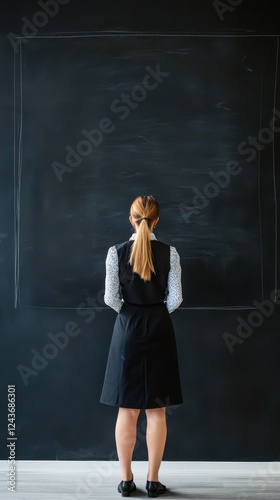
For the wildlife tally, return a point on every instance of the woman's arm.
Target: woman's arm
(112, 295)
(174, 286)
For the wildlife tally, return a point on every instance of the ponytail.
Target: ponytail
(141, 252)
(144, 209)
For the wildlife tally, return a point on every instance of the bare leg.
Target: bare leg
(156, 439)
(125, 439)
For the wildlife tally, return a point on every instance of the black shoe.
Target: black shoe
(155, 488)
(126, 487)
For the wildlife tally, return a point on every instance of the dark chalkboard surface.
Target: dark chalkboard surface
(184, 116)
(102, 119)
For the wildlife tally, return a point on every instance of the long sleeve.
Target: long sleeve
(112, 296)
(174, 286)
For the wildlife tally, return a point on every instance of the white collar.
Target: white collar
(152, 236)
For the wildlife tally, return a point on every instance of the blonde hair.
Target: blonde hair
(145, 210)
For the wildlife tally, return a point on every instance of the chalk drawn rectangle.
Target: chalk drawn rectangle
(198, 113)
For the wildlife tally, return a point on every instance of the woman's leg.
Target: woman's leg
(156, 437)
(126, 439)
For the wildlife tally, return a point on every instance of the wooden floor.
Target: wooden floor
(87, 480)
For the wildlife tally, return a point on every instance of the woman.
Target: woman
(143, 284)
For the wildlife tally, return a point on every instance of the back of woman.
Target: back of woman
(143, 285)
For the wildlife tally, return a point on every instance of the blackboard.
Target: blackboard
(101, 119)
(220, 90)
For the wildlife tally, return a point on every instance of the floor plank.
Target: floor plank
(90, 480)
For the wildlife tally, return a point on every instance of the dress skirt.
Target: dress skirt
(142, 367)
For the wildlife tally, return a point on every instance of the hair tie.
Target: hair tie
(146, 218)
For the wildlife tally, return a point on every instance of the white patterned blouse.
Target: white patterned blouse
(112, 295)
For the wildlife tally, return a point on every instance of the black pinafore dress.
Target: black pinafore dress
(142, 367)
